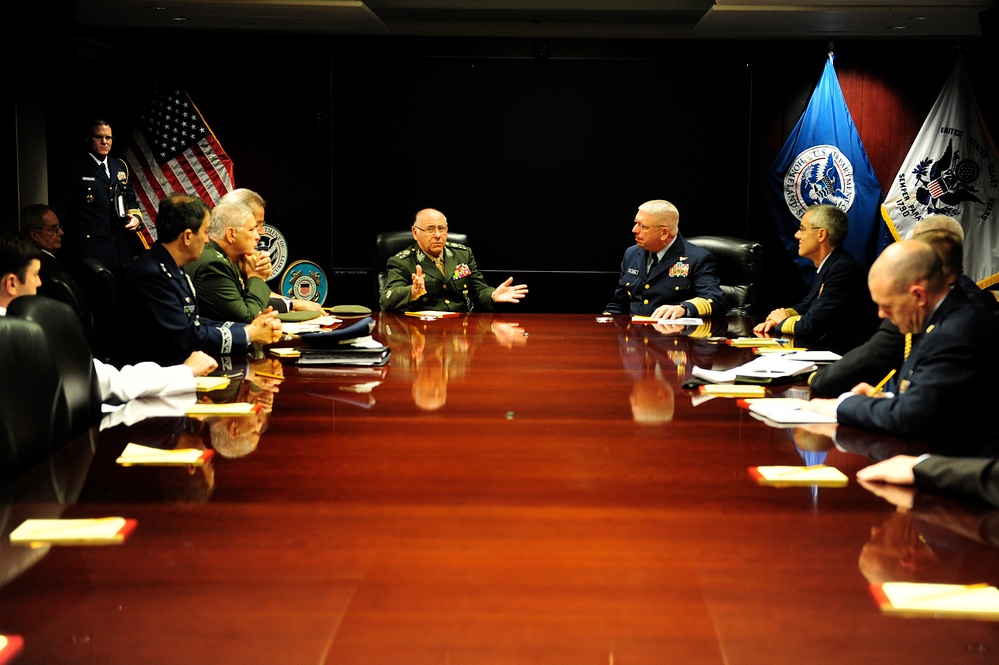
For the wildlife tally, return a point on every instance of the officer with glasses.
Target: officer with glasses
(434, 274)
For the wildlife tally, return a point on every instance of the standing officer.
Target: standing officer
(97, 206)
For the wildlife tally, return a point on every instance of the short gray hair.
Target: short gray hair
(226, 215)
(664, 211)
(832, 219)
(939, 223)
(247, 197)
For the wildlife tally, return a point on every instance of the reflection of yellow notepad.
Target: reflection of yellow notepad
(136, 455)
(229, 409)
(731, 390)
(99, 531)
(205, 384)
(430, 314)
(954, 601)
(10, 646)
(819, 475)
(285, 352)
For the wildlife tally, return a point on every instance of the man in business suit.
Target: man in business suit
(97, 204)
(434, 274)
(964, 477)
(888, 348)
(158, 307)
(837, 312)
(662, 275)
(943, 391)
(41, 226)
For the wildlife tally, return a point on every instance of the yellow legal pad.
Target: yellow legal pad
(819, 475)
(97, 531)
(136, 455)
(228, 409)
(205, 384)
(947, 601)
(286, 352)
(755, 341)
(731, 390)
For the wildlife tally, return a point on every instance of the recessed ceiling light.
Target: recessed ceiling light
(919, 18)
(178, 18)
(898, 27)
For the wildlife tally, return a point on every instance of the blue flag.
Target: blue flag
(824, 161)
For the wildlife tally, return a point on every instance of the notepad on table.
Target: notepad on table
(228, 409)
(96, 531)
(206, 384)
(755, 341)
(136, 455)
(729, 390)
(953, 601)
(819, 475)
(787, 411)
(285, 352)
(682, 321)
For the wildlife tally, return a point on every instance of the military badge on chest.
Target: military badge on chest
(680, 269)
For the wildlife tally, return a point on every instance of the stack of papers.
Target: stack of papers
(954, 601)
(136, 455)
(749, 342)
(285, 352)
(682, 321)
(764, 369)
(786, 411)
(99, 531)
(797, 476)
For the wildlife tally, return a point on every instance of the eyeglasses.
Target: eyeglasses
(51, 229)
(101, 137)
(804, 229)
(432, 230)
(646, 228)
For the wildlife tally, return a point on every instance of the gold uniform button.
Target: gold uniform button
(447, 302)
(646, 286)
(645, 302)
(676, 288)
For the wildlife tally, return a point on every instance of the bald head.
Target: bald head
(906, 283)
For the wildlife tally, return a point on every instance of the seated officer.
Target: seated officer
(434, 274)
(837, 312)
(943, 392)
(662, 275)
(158, 309)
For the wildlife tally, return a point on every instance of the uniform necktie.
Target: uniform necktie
(653, 260)
(439, 262)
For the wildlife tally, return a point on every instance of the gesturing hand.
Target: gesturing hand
(419, 284)
(506, 293)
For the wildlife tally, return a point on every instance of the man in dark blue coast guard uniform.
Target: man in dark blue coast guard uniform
(662, 275)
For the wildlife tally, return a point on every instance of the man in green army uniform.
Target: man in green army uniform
(434, 274)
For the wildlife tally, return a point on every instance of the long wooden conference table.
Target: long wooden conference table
(509, 489)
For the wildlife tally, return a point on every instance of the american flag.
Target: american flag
(173, 150)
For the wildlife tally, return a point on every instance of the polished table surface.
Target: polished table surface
(517, 490)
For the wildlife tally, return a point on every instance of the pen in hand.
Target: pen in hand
(882, 383)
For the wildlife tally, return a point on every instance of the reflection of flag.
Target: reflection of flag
(173, 150)
(824, 161)
(951, 169)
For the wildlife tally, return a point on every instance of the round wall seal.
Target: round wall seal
(305, 280)
(272, 241)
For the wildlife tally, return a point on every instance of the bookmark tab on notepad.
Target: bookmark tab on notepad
(136, 455)
(949, 601)
(98, 531)
(819, 475)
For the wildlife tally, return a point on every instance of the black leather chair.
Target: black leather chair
(32, 413)
(63, 287)
(100, 288)
(740, 268)
(392, 242)
(72, 356)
